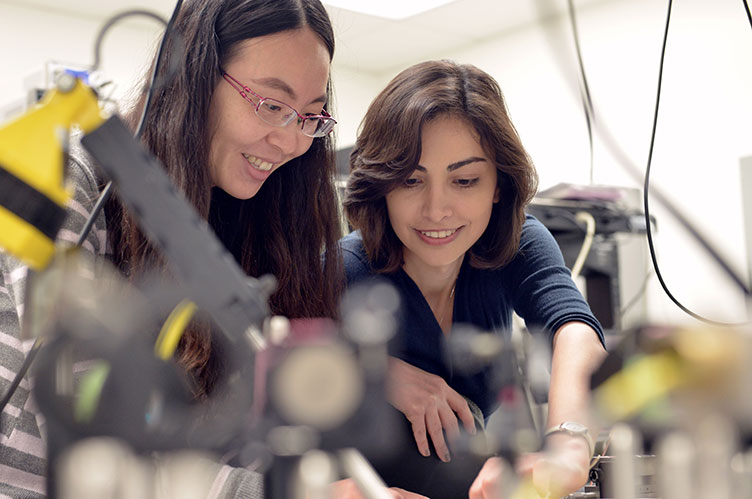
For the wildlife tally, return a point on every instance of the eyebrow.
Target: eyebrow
(457, 164)
(278, 84)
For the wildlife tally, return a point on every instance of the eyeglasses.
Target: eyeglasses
(277, 113)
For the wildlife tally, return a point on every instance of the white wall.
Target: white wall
(704, 126)
(353, 92)
(30, 38)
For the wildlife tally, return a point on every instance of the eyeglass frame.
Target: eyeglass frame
(244, 90)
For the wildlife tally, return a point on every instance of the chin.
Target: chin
(243, 193)
(437, 262)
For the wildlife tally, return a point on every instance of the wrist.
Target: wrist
(571, 449)
(573, 435)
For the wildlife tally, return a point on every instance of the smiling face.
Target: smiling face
(445, 205)
(292, 67)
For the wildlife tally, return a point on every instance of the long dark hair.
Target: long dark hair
(388, 149)
(291, 221)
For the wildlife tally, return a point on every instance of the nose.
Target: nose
(436, 203)
(288, 139)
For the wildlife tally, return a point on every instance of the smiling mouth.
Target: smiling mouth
(438, 234)
(257, 163)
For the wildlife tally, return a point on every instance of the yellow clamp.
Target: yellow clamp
(645, 380)
(32, 193)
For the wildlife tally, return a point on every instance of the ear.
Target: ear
(497, 195)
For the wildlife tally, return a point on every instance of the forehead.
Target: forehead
(297, 57)
(447, 139)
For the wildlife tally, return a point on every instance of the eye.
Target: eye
(411, 182)
(467, 182)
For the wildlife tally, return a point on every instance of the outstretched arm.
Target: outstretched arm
(563, 466)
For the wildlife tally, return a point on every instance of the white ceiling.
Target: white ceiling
(373, 44)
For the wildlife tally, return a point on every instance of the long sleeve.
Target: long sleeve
(22, 435)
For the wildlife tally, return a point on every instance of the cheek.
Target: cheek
(304, 144)
(480, 210)
(390, 213)
(394, 210)
(395, 207)
(487, 212)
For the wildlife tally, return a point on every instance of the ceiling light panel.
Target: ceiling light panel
(389, 9)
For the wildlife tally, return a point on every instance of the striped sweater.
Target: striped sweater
(22, 427)
(22, 447)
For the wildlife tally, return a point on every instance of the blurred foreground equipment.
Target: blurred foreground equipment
(106, 396)
(678, 400)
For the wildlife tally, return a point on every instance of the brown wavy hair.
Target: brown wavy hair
(388, 150)
(288, 225)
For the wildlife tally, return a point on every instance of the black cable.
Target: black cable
(107, 190)
(111, 22)
(105, 194)
(587, 102)
(646, 189)
(746, 8)
(613, 146)
(157, 66)
(20, 374)
(101, 200)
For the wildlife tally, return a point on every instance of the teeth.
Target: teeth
(438, 234)
(259, 164)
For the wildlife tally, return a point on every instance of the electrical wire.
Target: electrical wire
(596, 459)
(106, 192)
(587, 102)
(21, 373)
(101, 200)
(624, 160)
(746, 8)
(646, 192)
(589, 221)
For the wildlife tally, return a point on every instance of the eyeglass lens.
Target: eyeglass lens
(280, 114)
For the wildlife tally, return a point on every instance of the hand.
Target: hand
(559, 471)
(429, 404)
(490, 480)
(346, 489)
(562, 469)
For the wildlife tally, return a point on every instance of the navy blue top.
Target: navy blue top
(535, 284)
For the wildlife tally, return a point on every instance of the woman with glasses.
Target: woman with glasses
(438, 185)
(243, 131)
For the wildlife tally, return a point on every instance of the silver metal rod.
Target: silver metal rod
(676, 458)
(365, 477)
(624, 448)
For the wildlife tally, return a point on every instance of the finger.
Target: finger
(345, 489)
(433, 425)
(449, 422)
(476, 491)
(419, 432)
(459, 405)
(407, 494)
(488, 484)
